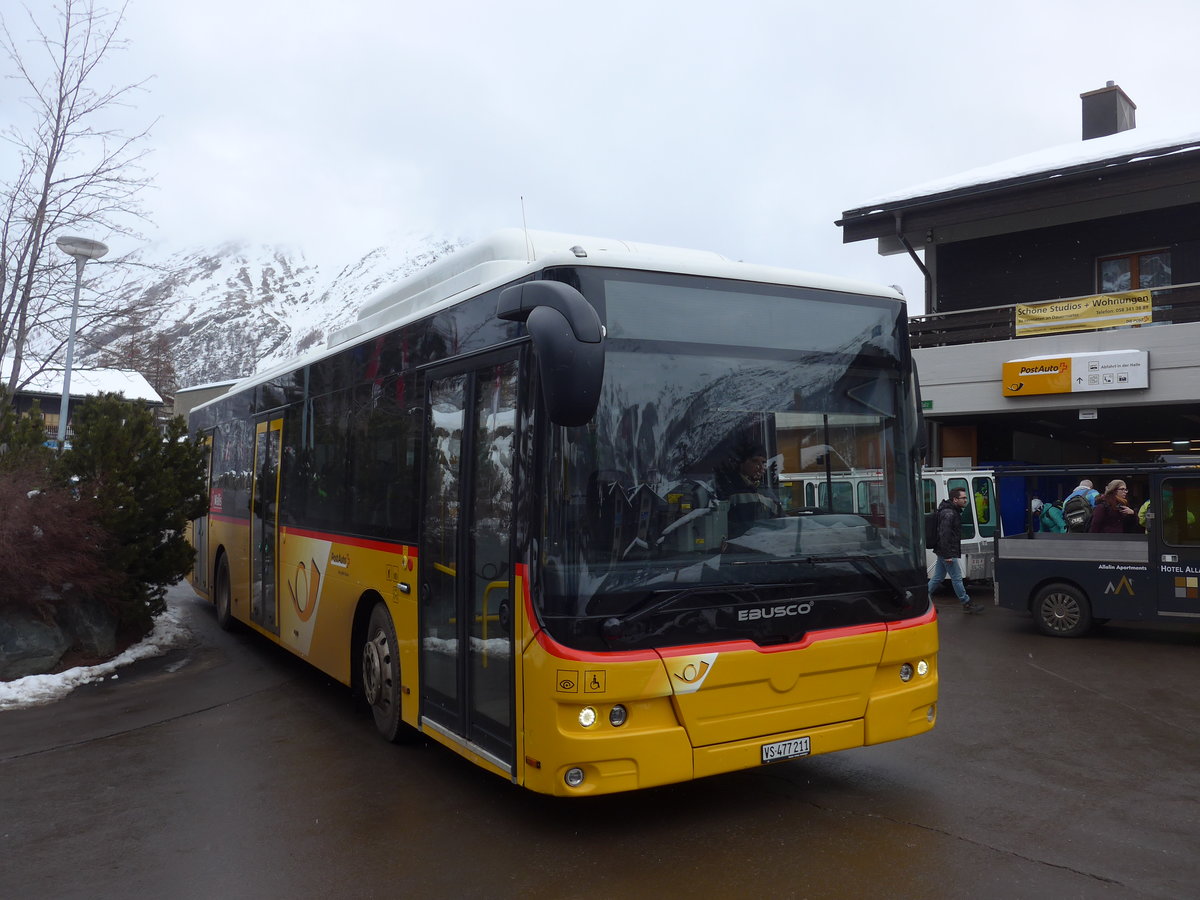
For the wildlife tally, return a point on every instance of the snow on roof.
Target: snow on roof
(86, 382)
(1113, 149)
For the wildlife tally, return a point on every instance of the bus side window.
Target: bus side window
(843, 497)
(1180, 511)
(983, 497)
(968, 515)
(871, 501)
(929, 497)
(786, 489)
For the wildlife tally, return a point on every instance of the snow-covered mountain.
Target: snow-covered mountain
(226, 311)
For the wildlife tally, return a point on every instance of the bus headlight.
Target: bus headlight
(587, 718)
(617, 716)
(906, 672)
(922, 668)
(574, 777)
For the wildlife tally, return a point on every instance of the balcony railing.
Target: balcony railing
(1171, 305)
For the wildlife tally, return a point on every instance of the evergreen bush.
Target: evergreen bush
(51, 543)
(146, 486)
(22, 438)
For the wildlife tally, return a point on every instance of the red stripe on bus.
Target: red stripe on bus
(825, 634)
(365, 543)
(926, 619)
(554, 648)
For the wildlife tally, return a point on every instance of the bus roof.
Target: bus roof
(514, 253)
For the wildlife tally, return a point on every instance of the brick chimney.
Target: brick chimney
(1106, 111)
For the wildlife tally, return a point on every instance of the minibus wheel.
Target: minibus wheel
(1061, 610)
(381, 674)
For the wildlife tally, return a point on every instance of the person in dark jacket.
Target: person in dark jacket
(1112, 510)
(948, 548)
(742, 481)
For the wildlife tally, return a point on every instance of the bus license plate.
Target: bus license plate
(785, 750)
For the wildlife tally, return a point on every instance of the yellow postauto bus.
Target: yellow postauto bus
(523, 506)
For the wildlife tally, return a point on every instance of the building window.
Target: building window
(1134, 271)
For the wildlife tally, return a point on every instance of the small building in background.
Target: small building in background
(45, 389)
(1062, 294)
(188, 398)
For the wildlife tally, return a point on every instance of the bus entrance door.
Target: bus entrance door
(199, 527)
(264, 525)
(466, 583)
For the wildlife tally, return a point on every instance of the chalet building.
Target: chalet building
(45, 389)
(1062, 295)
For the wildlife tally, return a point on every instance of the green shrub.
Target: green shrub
(146, 486)
(22, 438)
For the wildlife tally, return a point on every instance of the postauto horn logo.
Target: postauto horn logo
(1037, 376)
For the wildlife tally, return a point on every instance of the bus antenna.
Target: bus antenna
(528, 245)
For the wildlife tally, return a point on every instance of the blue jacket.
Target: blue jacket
(1088, 494)
(1052, 519)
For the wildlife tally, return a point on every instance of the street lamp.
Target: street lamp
(82, 249)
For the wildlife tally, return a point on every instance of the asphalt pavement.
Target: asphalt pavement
(228, 768)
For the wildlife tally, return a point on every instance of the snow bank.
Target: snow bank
(168, 633)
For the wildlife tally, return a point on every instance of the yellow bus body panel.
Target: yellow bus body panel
(747, 692)
(690, 713)
(322, 581)
(704, 713)
(651, 748)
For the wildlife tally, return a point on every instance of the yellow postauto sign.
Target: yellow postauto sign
(1104, 370)
(1083, 313)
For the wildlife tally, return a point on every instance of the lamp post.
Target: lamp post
(82, 249)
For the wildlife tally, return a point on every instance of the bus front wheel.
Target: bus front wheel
(222, 595)
(381, 674)
(1061, 610)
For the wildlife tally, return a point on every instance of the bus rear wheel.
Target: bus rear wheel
(1061, 610)
(381, 674)
(222, 595)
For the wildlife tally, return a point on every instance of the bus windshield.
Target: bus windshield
(665, 522)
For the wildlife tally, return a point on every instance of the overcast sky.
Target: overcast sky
(741, 127)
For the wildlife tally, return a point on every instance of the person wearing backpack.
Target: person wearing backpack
(947, 547)
(1082, 488)
(1077, 507)
(1053, 521)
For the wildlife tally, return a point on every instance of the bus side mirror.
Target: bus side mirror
(922, 430)
(569, 342)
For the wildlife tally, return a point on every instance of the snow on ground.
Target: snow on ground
(168, 633)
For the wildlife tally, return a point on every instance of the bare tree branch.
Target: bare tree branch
(75, 173)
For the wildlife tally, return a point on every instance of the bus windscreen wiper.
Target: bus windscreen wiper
(902, 596)
(613, 628)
